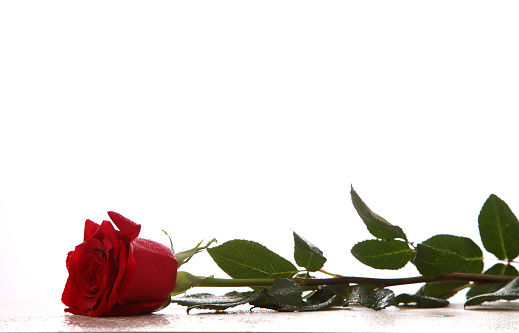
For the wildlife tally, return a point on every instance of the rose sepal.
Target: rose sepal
(186, 281)
(184, 256)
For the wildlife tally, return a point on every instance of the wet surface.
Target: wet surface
(39, 317)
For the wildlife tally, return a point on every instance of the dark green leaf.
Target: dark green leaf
(463, 246)
(499, 229)
(373, 299)
(376, 224)
(286, 295)
(212, 302)
(326, 293)
(497, 269)
(421, 301)
(307, 255)
(441, 289)
(243, 259)
(432, 262)
(444, 254)
(509, 292)
(390, 254)
(286, 292)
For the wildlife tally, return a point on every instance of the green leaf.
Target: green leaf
(307, 255)
(243, 259)
(376, 224)
(373, 299)
(390, 254)
(212, 302)
(287, 294)
(499, 229)
(442, 254)
(497, 269)
(509, 292)
(432, 262)
(421, 301)
(463, 246)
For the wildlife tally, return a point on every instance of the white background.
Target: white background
(236, 119)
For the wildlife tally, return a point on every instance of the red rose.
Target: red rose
(114, 273)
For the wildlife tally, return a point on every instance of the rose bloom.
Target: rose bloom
(115, 273)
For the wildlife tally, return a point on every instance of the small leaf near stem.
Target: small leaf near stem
(376, 224)
(307, 255)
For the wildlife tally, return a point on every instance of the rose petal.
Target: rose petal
(155, 275)
(90, 228)
(72, 289)
(119, 264)
(106, 233)
(129, 274)
(129, 228)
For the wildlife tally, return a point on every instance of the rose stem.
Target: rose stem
(462, 277)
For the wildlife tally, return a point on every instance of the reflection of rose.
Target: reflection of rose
(114, 273)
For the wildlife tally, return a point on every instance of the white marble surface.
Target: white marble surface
(42, 317)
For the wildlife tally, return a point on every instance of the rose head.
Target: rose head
(114, 273)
